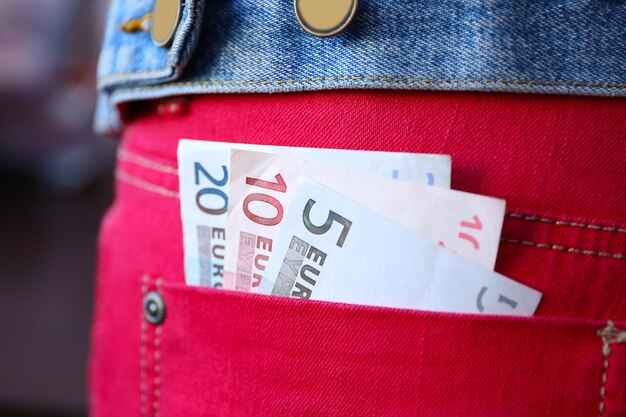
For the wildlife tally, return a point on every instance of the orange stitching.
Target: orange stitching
(565, 223)
(145, 185)
(381, 79)
(126, 155)
(564, 249)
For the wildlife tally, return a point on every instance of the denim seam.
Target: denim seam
(114, 80)
(148, 71)
(123, 176)
(396, 80)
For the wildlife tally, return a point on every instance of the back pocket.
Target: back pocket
(228, 353)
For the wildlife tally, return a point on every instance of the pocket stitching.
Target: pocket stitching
(560, 248)
(138, 182)
(155, 344)
(150, 187)
(145, 162)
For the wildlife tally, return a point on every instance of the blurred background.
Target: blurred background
(55, 184)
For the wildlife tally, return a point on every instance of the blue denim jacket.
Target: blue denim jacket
(221, 46)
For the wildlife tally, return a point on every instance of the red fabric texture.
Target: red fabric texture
(558, 161)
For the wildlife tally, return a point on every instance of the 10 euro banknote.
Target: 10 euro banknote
(204, 174)
(262, 185)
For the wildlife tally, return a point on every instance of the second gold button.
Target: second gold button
(325, 17)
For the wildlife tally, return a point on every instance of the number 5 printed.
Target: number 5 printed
(332, 217)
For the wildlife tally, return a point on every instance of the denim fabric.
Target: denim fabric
(128, 58)
(556, 160)
(564, 46)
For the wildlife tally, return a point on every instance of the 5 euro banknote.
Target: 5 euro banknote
(330, 248)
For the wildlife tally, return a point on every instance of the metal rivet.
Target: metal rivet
(154, 307)
(165, 18)
(325, 17)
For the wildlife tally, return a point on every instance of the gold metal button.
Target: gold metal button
(324, 17)
(165, 18)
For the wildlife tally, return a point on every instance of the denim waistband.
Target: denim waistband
(224, 46)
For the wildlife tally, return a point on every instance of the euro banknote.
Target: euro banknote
(262, 184)
(330, 248)
(204, 174)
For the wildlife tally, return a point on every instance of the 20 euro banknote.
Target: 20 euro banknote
(204, 174)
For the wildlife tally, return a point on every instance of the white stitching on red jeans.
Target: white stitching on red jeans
(145, 185)
(143, 357)
(148, 408)
(123, 176)
(610, 334)
(128, 156)
(535, 218)
(157, 362)
(564, 248)
(132, 157)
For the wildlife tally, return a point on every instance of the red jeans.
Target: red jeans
(558, 162)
